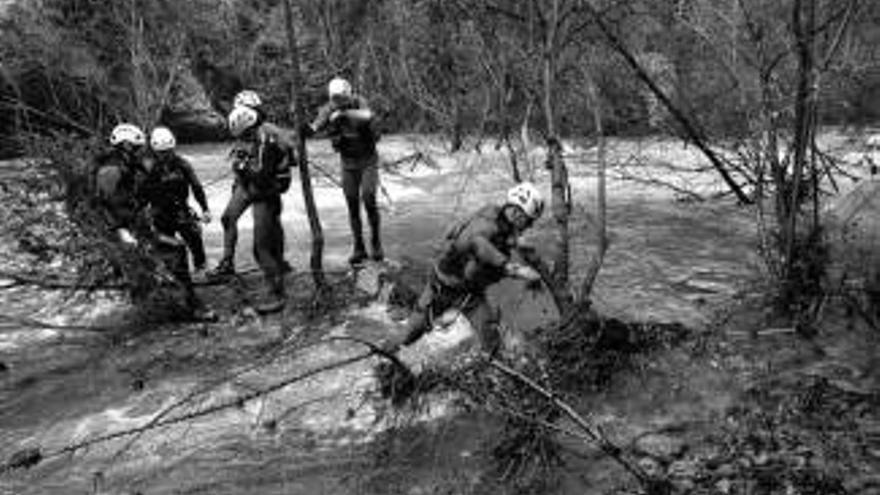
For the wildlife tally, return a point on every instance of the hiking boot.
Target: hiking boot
(277, 298)
(200, 273)
(378, 254)
(271, 306)
(203, 315)
(357, 258)
(286, 267)
(223, 269)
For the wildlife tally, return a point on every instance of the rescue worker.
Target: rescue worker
(350, 124)
(477, 254)
(119, 174)
(262, 167)
(121, 193)
(239, 201)
(249, 98)
(171, 178)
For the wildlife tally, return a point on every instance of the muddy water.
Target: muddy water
(669, 261)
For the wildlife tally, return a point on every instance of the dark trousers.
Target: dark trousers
(268, 234)
(181, 220)
(360, 181)
(175, 260)
(437, 298)
(238, 203)
(191, 232)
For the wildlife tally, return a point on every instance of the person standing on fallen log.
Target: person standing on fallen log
(350, 123)
(477, 254)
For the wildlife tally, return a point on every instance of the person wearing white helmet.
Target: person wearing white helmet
(122, 193)
(350, 123)
(261, 162)
(118, 174)
(248, 98)
(478, 252)
(171, 178)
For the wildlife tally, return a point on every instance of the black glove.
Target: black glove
(306, 131)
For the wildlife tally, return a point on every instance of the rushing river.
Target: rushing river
(669, 260)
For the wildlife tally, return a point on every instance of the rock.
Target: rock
(651, 467)
(191, 115)
(370, 278)
(726, 471)
(684, 469)
(724, 486)
(862, 483)
(659, 446)
(25, 459)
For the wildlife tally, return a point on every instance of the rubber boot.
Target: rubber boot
(276, 295)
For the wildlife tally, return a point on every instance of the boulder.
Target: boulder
(659, 446)
(190, 113)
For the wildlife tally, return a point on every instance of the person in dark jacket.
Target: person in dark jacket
(262, 167)
(477, 254)
(350, 124)
(239, 201)
(119, 175)
(171, 179)
(122, 192)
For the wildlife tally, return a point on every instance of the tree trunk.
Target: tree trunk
(560, 201)
(316, 261)
(601, 237)
(803, 35)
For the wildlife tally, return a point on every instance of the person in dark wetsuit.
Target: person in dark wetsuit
(122, 190)
(171, 178)
(262, 162)
(239, 201)
(477, 255)
(118, 176)
(350, 124)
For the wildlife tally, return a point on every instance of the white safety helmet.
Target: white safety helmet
(247, 98)
(127, 133)
(161, 139)
(339, 87)
(241, 119)
(528, 198)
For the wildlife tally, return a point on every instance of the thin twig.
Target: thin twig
(593, 432)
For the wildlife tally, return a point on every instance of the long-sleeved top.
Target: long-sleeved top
(263, 165)
(118, 183)
(170, 183)
(477, 250)
(167, 189)
(350, 127)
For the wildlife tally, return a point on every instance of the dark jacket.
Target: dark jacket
(118, 184)
(354, 139)
(167, 189)
(476, 250)
(262, 165)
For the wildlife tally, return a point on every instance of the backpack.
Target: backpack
(266, 165)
